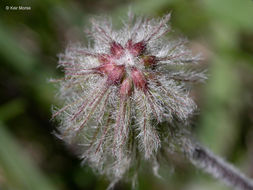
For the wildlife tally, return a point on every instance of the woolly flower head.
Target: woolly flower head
(118, 90)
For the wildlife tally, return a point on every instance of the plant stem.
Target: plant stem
(218, 168)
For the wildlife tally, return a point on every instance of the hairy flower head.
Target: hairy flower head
(119, 89)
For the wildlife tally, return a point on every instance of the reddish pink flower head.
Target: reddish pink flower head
(118, 91)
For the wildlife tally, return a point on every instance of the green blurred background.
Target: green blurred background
(32, 158)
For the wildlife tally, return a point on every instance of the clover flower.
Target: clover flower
(117, 91)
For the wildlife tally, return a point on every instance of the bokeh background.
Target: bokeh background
(31, 158)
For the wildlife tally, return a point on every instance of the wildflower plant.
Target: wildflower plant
(118, 91)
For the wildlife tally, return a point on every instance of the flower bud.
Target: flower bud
(139, 80)
(116, 49)
(136, 49)
(149, 60)
(126, 88)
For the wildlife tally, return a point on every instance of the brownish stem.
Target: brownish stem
(218, 168)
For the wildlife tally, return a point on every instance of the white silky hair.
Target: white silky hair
(112, 132)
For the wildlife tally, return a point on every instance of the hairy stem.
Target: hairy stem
(218, 168)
